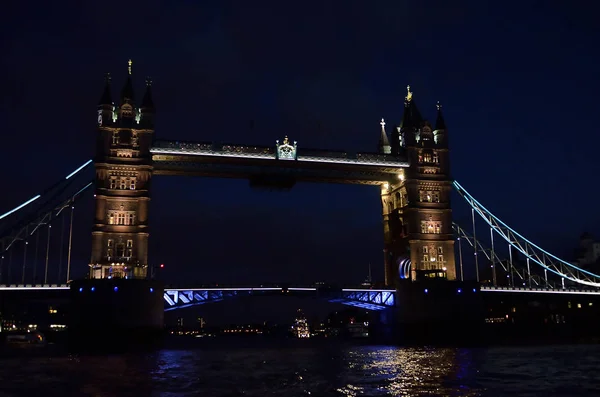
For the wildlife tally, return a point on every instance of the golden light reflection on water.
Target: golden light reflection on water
(317, 369)
(406, 372)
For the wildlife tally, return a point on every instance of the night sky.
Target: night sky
(518, 82)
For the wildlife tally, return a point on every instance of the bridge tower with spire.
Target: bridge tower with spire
(123, 173)
(417, 217)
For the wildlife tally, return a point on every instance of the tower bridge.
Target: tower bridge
(411, 170)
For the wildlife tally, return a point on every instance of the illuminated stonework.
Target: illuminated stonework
(123, 173)
(417, 217)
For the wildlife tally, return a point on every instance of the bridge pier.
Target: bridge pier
(436, 312)
(115, 313)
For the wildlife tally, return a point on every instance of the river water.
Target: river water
(321, 370)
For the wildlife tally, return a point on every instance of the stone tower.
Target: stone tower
(417, 217)
(123, 173)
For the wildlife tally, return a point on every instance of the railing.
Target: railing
(540, 290)
(265, 152)
(29, 287)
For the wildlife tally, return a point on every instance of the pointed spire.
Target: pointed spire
(147, 101)
(440, 124)
(384, 143)
(106, 98)
(127, 91)
(408, 97)
(412, 117)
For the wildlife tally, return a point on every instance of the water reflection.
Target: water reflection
(402, 372)
(322, 369)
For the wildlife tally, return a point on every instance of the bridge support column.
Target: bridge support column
(115, 313)
(438, 312)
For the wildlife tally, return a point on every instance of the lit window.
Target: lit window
(421, 195)
(111, 219)
(436, 159)
(431, 227)
(427, 157)
(120, 250)
(120, 218)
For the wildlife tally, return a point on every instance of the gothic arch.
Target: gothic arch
(404, 266)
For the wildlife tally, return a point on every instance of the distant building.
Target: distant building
(588, 253)
(300, 328)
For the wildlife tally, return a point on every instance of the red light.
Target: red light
(162, 265)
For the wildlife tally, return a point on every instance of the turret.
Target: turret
(407, 133)
(127, 91)
(384, 143)
(105, 105)
(439, 133)
(127, 111)
(147, 110)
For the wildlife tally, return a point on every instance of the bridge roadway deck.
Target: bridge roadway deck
(251, 162)
(25, 287)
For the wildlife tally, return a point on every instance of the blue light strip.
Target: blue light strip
(31, 200)
(469, 197)
(79, 169)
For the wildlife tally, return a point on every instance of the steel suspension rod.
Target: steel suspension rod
(47, 255)
(512, 280)
(475, 245)
(460, 259)
(492, 256)
(60, 247)
(9, 266)
(70, 243)
(24, 262)
(35, 256)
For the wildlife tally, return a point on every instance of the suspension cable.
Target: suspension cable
(530, 250)
(45, 191)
